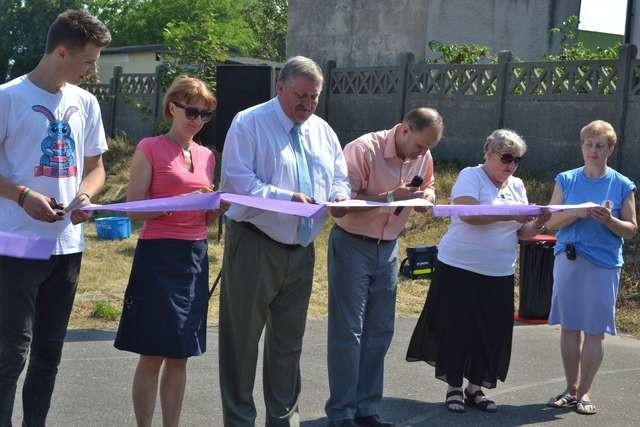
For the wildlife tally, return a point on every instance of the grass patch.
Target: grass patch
(105, 310)
(116, 163)
(106, 264)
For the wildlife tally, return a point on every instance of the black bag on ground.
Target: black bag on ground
(536, 277)
(420, 262)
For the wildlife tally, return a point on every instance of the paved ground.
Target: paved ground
(94, 383)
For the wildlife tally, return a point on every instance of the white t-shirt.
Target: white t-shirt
(485, 249)
(44, 138)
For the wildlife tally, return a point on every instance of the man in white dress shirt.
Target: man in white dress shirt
(276, 150)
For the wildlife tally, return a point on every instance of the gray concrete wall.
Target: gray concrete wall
(467, 123)
(521, 26)
(356, 32)
(546, 102)
(372, 32)
(551, 128)
(629, 148)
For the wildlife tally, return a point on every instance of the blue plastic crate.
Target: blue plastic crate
(113, 227)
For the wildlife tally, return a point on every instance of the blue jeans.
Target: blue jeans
(36, 298)
(362, 296)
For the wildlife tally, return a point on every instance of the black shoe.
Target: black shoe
(372, 421)
(343, 423)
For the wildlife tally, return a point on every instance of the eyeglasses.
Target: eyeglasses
(193, 113)
(509, 158)
(303, 97)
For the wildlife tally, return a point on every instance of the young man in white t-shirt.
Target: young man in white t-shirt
(51, 145)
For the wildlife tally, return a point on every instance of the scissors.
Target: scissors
(73, 205)
(60, 210)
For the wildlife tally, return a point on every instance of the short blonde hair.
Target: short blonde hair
(504, 140)
(188, 90)
(599, 128)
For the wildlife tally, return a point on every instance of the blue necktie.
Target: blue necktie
(305, 225)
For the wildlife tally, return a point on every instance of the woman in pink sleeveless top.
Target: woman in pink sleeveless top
(164, 315)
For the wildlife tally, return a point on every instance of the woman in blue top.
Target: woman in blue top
(588, 260)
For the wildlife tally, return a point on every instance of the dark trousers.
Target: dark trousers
(265, 286)
(36, 298)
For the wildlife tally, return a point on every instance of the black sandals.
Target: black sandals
(450, 403)
(482, 404)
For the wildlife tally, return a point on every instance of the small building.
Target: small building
(133, 60)
(144, 59)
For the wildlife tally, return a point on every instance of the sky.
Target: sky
(605, 16)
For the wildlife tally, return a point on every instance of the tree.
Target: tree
(121, 19)
(268, 19)
(135, 22)
(194, 52)
(7, 18)
(244, 27)
(571, 49)
(23, 38)
(197, 33)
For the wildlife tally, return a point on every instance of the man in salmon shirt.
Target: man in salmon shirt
(362, 258)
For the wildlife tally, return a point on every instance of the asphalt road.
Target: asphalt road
(93, 387)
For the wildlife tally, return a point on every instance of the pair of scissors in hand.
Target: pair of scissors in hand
(74, 204)
(59, 208)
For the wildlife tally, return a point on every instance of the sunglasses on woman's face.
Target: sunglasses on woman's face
(509, 158)
(193, 113)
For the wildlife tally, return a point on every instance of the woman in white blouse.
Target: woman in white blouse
(466, 325)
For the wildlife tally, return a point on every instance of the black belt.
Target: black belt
(252, 227)
(365, 238)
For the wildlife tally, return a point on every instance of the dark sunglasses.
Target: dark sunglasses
(192, 113)
(509, 158)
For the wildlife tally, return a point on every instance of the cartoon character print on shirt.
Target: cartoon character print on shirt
(58, 148)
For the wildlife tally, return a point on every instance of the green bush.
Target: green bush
(105, 310)
(463, 53)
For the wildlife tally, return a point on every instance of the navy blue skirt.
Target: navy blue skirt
(165, 305)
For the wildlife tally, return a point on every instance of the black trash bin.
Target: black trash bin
(536, 276)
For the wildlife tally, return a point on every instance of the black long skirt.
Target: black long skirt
(165, 303)
(466, 327)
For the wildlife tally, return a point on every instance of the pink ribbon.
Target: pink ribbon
(208, 201)
(38, 248)
(31, 247)
(469, 210)
(187, 202)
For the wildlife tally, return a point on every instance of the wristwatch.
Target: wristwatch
(390, 197)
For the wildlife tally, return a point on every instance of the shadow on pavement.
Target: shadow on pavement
(79, 335)
(507, 416)
(406, 412)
